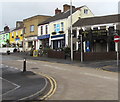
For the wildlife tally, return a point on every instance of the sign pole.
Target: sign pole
(81, 48)
(117, 40)
(117, 54)
(71, 30)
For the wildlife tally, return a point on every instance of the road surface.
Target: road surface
(18, 85)
(73, 82)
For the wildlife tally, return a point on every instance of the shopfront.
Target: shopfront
(30, 42)
(58, 41)
(97, 40)
(44, 40)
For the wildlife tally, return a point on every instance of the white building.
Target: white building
(55, 31)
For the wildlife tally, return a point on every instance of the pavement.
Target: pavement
(18, 85)
(105, 65)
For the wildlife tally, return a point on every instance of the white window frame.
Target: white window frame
(32, 28)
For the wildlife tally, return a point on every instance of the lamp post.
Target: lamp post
(81, 39)
(71, 30)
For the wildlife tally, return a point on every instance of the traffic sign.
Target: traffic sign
(116, 38)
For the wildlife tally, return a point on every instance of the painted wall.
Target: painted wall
(4, 38)
(67, 22)
(13, 36)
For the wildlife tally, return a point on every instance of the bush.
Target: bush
(67, 50)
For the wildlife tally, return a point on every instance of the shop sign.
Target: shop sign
(17, 38)
(56, 37)
(31, 38)
(43, 37)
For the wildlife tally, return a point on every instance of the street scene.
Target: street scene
(70, 52)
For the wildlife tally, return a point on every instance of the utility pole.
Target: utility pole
(71, 30)
(81, 39)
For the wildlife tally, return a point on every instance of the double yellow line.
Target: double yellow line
(53, 88)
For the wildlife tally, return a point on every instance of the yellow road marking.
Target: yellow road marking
(53, 86)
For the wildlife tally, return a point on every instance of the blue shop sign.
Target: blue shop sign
(17, 38)
(43, 37)
(56, 36)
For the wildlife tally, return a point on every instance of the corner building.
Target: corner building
(58, 35)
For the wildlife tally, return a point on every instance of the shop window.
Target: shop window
(30, 44)
(111, 30)
(74, 34)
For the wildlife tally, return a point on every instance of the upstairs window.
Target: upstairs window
(62, 26)
(32, 28)
(85, 11)
(24, 30)
(54, 27)
(46, 29)
(41, 30)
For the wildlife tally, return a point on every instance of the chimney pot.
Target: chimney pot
(67, 7)
(57, 11)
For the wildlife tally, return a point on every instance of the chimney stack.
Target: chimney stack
(57, 11)
(6, 29)
(67, 7)
(19, 24)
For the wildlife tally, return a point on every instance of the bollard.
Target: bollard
(24, 65)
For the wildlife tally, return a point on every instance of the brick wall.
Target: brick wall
(56, 54)
(92, 56)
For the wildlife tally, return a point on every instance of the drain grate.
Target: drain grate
(34, 68)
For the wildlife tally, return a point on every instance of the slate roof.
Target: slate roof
(97, 20)
(62, 15)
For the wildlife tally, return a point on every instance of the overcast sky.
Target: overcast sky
(13, 11)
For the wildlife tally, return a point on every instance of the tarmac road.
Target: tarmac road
(73, 82)
(17, 85)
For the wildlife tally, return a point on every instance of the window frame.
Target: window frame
(32, 28)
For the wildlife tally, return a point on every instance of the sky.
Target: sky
(13, 11)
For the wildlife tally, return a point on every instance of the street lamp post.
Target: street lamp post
(81, 39)
(71, 30)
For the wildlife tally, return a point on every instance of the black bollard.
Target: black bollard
(24, 65)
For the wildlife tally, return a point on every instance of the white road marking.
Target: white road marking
(83, 73)
(59, 68)
(46, 83)
(6, 66)
(17, 86)
(99, 76)
(27, 61)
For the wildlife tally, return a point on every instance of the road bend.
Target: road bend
(74, 82)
